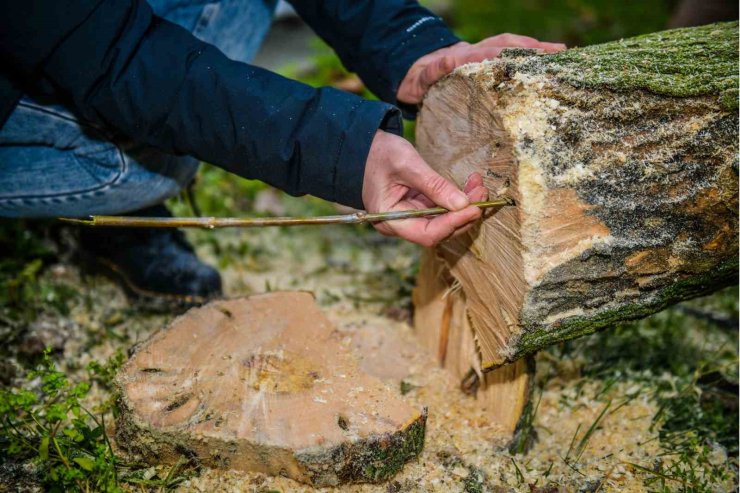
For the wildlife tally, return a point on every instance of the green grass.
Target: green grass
(45, 425)
(689, 366)
(28, 250)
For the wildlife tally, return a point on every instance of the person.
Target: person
(107, 107)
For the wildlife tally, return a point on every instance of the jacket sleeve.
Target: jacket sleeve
(122, 67)
(378, 39)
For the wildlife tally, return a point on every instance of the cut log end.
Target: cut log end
(264, 384)
(441, 323)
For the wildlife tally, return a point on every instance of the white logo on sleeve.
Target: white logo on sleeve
(419, 23)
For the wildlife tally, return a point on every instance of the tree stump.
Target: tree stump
(264, 384)
(622, 162)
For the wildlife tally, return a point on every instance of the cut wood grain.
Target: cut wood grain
(622, 160)
(264, 384)
(442, 325)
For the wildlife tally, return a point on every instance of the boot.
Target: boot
(158, 268)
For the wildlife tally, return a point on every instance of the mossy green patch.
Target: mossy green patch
(381, 460)
(370, 460)
(725, 274)
(688, 62)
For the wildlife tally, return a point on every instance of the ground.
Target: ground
(646, 406)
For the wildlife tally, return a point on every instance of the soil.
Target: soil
(363, 283)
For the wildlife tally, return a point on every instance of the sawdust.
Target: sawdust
(463, 450)
(463, 447)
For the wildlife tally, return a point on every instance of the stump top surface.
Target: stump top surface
(269, 369)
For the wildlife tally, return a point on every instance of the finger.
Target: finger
(518, 41)
(418, 201)
(429, 232)
(478, 194)
(477, 54)
(552, 47)
(435, 71)
(485, 50)
(511, 40)
(455, 58)
(418, 176)
(507, 39)
(444, 226)
(474, 180)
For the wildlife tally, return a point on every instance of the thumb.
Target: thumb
(436, 188)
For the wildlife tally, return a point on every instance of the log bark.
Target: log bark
(264, 384)
(622, 160)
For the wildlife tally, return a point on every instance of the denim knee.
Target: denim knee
(236, 27)
(53, 165)
(134, 188)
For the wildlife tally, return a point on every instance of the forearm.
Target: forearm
(248, 121)
(161, 86)
(378, 39)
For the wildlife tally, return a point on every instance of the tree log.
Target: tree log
(622, 161)
(264, 384)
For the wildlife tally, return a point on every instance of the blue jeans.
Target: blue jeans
(54, 164)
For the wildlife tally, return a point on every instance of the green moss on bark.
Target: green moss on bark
(368, 461)
(689, 62)
(531, 341)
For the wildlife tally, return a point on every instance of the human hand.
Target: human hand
(433, 66)
(397, 178)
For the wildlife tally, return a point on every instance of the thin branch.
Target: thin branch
(233, 222)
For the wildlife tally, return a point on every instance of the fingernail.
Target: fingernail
(459, 201)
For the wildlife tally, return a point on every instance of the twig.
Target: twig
(234, 222)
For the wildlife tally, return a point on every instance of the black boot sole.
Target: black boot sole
(141, 298)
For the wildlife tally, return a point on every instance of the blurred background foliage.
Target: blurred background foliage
(573, 22)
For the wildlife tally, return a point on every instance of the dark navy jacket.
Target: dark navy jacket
(117, 64)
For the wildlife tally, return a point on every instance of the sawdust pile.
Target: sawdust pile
(357, 279)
